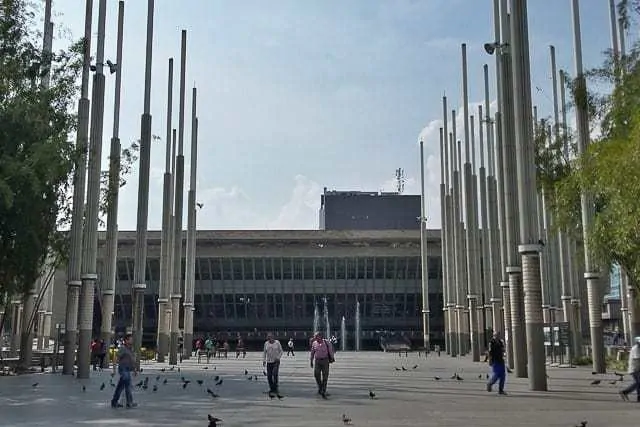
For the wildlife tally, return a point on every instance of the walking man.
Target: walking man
(290, 347)
(271, 358)
(634, 371)
(322, 355)
(126, 366)
(496, 361)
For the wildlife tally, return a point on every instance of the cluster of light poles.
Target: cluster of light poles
(82, 273)
(529, 273)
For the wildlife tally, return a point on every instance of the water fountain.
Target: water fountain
(343, 335)
(316, 319)
(358, 332)
(326, 320)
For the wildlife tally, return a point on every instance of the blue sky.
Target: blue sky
(294, 96)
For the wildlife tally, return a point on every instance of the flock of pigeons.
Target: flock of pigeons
(213, 421)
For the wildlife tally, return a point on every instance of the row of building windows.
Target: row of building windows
(291, 307)
(295, 268)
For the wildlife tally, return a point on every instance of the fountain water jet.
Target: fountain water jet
(326, 320)
(343, 335)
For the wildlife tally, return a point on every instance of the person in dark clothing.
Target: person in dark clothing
(496, 361)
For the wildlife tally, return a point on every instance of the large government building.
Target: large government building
(250, 282)
(254, 281)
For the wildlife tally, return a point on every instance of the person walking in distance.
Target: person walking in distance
(126, 366)
(290, 347)
(496, 361)
(322, 355)
(634, 371)
(271, 358)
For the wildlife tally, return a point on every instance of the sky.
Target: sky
(295, 96)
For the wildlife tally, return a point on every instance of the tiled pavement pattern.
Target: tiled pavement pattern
(404, 398)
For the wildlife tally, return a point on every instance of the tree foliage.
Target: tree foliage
(36, 156)
(609, 170)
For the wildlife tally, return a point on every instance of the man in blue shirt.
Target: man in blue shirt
(126, 366)
(496, 361)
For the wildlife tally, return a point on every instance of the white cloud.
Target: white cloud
(301, 211)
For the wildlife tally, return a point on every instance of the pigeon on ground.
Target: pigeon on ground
(219, 382)
(211, 393)
(102, 386)
(199, 382)
(165, 381)
(279, 396)
(614, 382)
(84, 388)
(403, 368)
(595, 382)
(216, 378)
(205, 368)
(346, 420)
(184, 385)
(459, 378)
(582, 424)
(397, 369)
(246, 372)
(163, 370)
(480, 376)
(34, 385)
(213, 421)
(158, 378)
(372, 395)
(437, 378)
(415, 367)
(155, 388)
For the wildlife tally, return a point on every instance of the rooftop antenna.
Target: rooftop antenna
(400, 180)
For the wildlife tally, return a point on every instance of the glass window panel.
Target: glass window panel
(259, 306)
(298, 268)
(288, 306)
(308, 269)
(269, 306)
(279, 306)
(413, 268)
(309, 305)
(379, 268)
(361, 267)
(434, 265)
(341, 268)
(390, 268)
(153, 269)
(330, 265)
(401, 268)
(369, 268)
(319, 269)
(216, 273)
(277, 268)
(122, 273)
(351, 268)
(287, 272)
(268, 268)
(241, 306)
(236, 268)
(258, 266)
(227, 269)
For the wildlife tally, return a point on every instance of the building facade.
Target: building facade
(361, 210)
(248, 282)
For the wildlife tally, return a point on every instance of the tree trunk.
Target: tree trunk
(26, 334)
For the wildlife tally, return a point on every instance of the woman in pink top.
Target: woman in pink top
(321, 356)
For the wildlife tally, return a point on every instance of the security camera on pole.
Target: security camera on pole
(592, 273)
(89, 274)
(77, 216)
(113, 191)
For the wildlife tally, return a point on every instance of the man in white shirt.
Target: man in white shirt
(634, 371)
(271, 358)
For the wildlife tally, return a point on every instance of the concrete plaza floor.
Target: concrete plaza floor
(404, 398)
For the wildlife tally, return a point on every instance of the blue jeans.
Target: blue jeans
(273, 369)
(124, 383)
(635, 386)
(499, 376)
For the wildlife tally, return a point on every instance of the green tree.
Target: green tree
(610, 168)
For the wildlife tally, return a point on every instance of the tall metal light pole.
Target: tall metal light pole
(477, 249)
(77, 216)
(444, 236)
(514, 270)
(486, 235)
(423, 255)
(179, 196)
(461, 276)
(139, 274)
(90, 243)
(191, 234)
(452, 280)
(108, 291)
(471, 253)
(165, 245)
(529, 246)
(592, 275)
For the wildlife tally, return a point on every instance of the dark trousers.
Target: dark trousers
(272, 375)
(290, 352)
(321, 372)
(499, 375)
(635, 386)
(124, 383)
